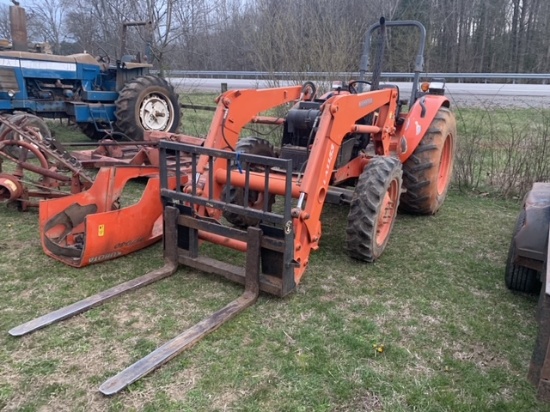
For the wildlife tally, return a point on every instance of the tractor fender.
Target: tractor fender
(531, 240)
(418, 121)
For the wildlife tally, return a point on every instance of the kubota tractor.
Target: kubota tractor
(361, 145)
(355, 145)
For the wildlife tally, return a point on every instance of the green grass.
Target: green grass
(454, 338)
(197, 122)
(429, 327)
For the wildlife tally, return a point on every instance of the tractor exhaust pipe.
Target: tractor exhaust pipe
(18, 28)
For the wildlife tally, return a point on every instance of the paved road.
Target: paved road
(470, 94)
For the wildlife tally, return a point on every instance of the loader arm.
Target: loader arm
(235, 109)
(339, 118)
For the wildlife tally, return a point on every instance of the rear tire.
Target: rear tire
(90, 130)
(255, 146)
(520, 278)
(427, 173)
(147, 103)
(373, 208)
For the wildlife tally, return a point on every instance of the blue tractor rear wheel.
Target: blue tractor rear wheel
(147, 103)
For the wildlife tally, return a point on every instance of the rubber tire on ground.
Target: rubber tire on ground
(255, 146)
(380, 181)
(26, 120)
(90, 130)
(427, 172)
(520, 278)
(130, 121)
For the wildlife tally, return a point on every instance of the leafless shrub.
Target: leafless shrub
(502, 151)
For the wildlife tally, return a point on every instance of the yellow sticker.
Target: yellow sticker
(101, 230)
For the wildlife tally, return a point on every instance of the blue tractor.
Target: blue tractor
(100, 97)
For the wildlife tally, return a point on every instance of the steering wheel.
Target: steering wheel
(351, 85)
(309, 89)
(102, 56)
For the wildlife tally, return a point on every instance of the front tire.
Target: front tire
(519, 278)
(427, 173)
(147, 103)
(373, 208)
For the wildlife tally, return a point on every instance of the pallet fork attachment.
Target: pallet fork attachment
(183, 341)
(192, 335)
(169, 268)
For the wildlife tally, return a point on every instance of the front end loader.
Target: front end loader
(356, 146)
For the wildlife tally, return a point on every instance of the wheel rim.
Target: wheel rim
(387, 213)
(155, 112)
(31, 124)
(445, 165)
(25, 151)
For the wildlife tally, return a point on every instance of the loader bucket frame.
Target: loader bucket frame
(277, 238)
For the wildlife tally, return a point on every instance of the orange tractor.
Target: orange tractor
(350, 146)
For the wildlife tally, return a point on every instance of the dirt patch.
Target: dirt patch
(480, 356)
(363, 402)
(224, 400)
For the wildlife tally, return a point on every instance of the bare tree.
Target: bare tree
(5, 32)
(316, 35)
(45, 22)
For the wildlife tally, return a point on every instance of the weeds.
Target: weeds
(502, 151)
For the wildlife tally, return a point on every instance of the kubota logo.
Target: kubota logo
(106, 256)
(327, 169)
(365, 103)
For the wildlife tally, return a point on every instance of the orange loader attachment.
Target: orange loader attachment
(90, 227)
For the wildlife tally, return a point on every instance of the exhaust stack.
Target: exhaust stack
(18, 27)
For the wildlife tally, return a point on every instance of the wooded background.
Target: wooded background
(300, 35)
